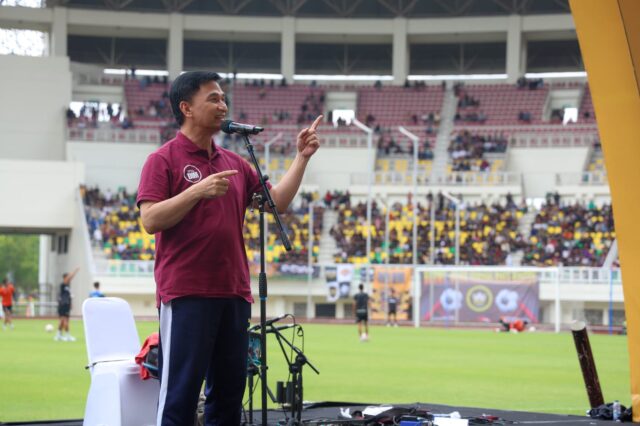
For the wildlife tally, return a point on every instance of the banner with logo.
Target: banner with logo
(344, 277)
(285, 270)
(392, 280)
(462, 297)
(331, 276)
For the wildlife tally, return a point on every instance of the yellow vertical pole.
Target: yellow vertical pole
(609, 36)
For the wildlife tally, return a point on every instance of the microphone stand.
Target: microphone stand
(294, 389)
(262, 199)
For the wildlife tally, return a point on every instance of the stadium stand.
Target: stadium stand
(116, 229)
(392, 106)
(269, 103)
(115, 226)
(489, 233)
(467, 150)
(570, 235)
(500, 104)
(147, 102)
(587, 113)
(296, 222)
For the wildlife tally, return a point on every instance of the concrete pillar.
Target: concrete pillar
(175, 45)
(400, 61)
(44, 276)
(523, 56)
(514, 48)
(58, 39)
(288, 48)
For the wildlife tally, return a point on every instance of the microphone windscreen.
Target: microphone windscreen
(226, 126)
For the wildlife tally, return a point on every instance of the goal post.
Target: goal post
(481, 295)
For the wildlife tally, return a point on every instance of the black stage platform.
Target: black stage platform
(328, 413)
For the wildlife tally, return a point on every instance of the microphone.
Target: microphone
(272, 329)
(230, 127)
(269, 323)
(276, 319)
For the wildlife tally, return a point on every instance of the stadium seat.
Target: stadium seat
(117, 395)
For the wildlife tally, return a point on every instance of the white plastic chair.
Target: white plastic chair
(117, 396)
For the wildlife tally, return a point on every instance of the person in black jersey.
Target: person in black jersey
(64, 308)
(362, 313)
(392, 305)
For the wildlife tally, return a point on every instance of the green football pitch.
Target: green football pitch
(44, 379)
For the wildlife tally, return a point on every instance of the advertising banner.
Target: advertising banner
(463, 297)
(391, 281)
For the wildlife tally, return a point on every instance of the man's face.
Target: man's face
(208, 107)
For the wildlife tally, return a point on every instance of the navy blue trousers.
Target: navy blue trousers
(202, 339)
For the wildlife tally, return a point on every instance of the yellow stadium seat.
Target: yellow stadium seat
(400, 165)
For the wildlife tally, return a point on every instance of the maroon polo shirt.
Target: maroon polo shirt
(203, 255)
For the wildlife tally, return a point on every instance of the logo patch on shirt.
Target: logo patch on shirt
(192, 174)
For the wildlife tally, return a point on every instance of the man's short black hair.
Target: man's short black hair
(185, 86)
(361, 287)
(96, 284)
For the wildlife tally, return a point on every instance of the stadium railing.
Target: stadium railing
(123, 268)
(584, 178)
(114, 135)
(450, 179)
(569, 275)
(554, 140)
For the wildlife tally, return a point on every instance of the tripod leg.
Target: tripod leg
(250, 384)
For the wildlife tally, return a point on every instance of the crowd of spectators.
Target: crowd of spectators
(312, 107)
(91, 114)
(468, 110)
(421, 84)
(467, 150)
(262, 83)
(114, 224)
(570, 235)
(157, 108)
(296, 223)
(115, 228)
(336, 198)
(489, 233)
(389, 145)
(529, 83)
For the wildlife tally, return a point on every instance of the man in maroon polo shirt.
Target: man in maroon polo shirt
(193, 195)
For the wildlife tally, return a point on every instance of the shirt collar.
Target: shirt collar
(191, 147)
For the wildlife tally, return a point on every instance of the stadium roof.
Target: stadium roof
(330, 8)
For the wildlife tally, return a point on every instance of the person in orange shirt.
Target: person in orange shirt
(516, 326)
(7, 290)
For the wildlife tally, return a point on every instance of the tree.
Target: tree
(19, 258)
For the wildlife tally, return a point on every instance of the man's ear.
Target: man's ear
(185, 108)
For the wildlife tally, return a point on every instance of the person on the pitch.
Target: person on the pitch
(193, 195)
(516, 326)
(7, 291)
(362, 313)
(96, 290)
(392, 306)
(64, 308)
